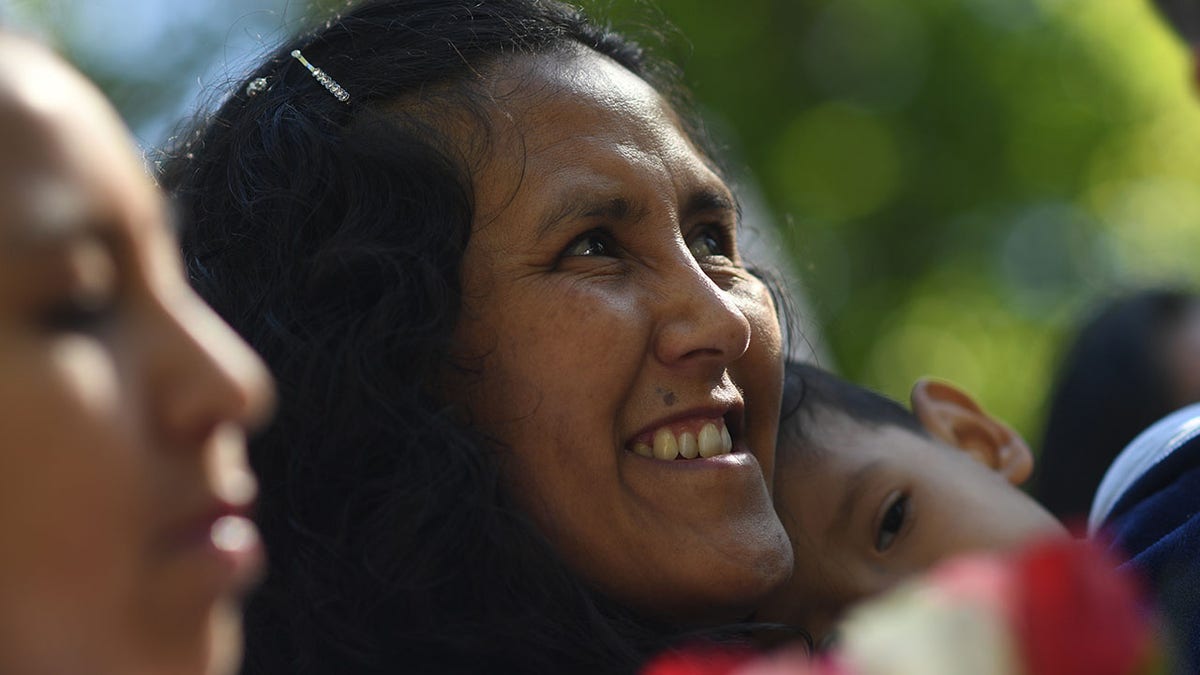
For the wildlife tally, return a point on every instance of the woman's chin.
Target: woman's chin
(745, 561)
(226, 640)
(757, 569)
(215, 649)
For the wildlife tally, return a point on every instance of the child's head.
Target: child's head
(871, 493)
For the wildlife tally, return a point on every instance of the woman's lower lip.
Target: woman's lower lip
(724, 479)
(736, 457)
(226, 557)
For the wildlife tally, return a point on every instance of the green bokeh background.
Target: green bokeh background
(956, 181)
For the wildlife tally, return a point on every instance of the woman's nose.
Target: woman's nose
(700, 325)
(205, 376)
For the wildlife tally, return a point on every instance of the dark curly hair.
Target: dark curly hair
(330, 236)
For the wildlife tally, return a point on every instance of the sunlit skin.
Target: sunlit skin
(868, 506)
(604, 298)
(124, 405)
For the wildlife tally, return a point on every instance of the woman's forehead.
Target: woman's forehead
(72, 175)
(582, 121)
(547, 98)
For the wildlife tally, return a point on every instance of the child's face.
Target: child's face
(867, 506)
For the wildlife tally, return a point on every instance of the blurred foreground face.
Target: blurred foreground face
(123, 405)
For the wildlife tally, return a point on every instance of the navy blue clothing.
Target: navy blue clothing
(1155, 525)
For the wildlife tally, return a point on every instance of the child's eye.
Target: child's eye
(591, 243)
(707, 242)
(893, 522)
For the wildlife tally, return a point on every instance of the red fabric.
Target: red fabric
(699, 660)
(1077, 614)
(1069, 609)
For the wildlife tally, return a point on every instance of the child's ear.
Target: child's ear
(953, 417)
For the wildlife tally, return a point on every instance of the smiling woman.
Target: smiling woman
(124, 539)
(621, 327)
(529, 388)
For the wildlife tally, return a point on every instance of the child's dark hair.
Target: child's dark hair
(809, 389)
(331, 236)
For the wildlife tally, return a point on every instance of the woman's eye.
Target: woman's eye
(78, 315)
(893, 522)
(708, 242)
(594, 243)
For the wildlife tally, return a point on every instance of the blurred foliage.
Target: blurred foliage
(956, 180)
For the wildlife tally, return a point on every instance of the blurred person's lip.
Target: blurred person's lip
(219, 545)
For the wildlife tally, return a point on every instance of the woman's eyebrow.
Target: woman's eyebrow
(57, 215)
(707, 200)
(620, 209)
(35, 244)
(92, 231)
(615, 209)
(49, 214)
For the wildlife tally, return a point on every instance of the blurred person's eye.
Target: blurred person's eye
(81, 312)
(891, 523)
(89, 300)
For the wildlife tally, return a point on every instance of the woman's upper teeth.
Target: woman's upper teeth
(702, 438)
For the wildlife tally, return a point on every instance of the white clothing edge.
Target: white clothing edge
(1148, 448)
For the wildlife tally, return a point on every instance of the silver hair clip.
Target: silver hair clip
(256, 86)
(325, 80)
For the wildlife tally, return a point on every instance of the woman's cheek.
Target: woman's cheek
(759, 373)
(754, 300)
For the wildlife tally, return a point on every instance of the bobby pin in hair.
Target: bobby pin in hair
(326, 81)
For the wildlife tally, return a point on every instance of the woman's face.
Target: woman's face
(609, 324)
(123, 406)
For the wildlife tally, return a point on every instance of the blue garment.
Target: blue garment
(1149, 506)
